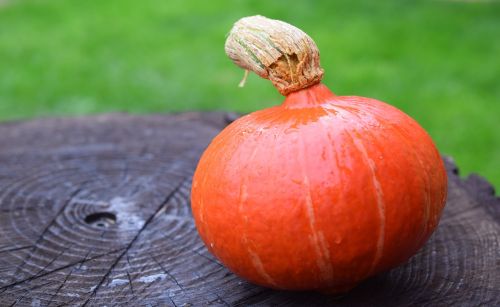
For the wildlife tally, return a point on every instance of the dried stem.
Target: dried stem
(275, 50)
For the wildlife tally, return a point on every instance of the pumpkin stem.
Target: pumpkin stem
(275, 50)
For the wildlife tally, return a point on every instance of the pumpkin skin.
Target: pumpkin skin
(318, 193)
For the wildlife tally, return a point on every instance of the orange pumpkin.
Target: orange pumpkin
(322, 191)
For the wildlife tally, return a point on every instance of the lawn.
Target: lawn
(439, 61)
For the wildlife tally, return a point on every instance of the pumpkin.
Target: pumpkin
(322, 191)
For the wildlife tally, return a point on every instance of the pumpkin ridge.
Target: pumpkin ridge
(319, 244)
(243, 196)
(266, 116)
(403, 135)
(404, 138)
(427, 205)
(379, 196)
(220, 139)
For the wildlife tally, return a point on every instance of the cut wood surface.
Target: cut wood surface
(95, 211)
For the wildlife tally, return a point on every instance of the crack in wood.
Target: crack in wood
(15, 249)
(4, 288)
(46, 229)
(54, 259)
(172, 278)
(127, 248)
(172, 301)
(130, 283)
(60, 286)
(219, 298)
(27, 291)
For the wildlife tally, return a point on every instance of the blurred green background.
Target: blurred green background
(439, 61)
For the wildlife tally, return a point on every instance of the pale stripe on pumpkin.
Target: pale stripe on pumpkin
(317, 238)
(380, 200)
(257, 263)
(254, 257)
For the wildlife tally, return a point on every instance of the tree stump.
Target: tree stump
(95, 211)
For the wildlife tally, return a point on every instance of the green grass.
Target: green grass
(439, 61)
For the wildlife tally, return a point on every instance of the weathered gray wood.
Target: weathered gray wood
(95, 211)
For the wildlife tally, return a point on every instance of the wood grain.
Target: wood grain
(95, 211)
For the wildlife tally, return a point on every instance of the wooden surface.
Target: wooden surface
(95, 211)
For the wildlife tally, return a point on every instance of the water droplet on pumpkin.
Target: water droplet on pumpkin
(337, 239)
(380, 157)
